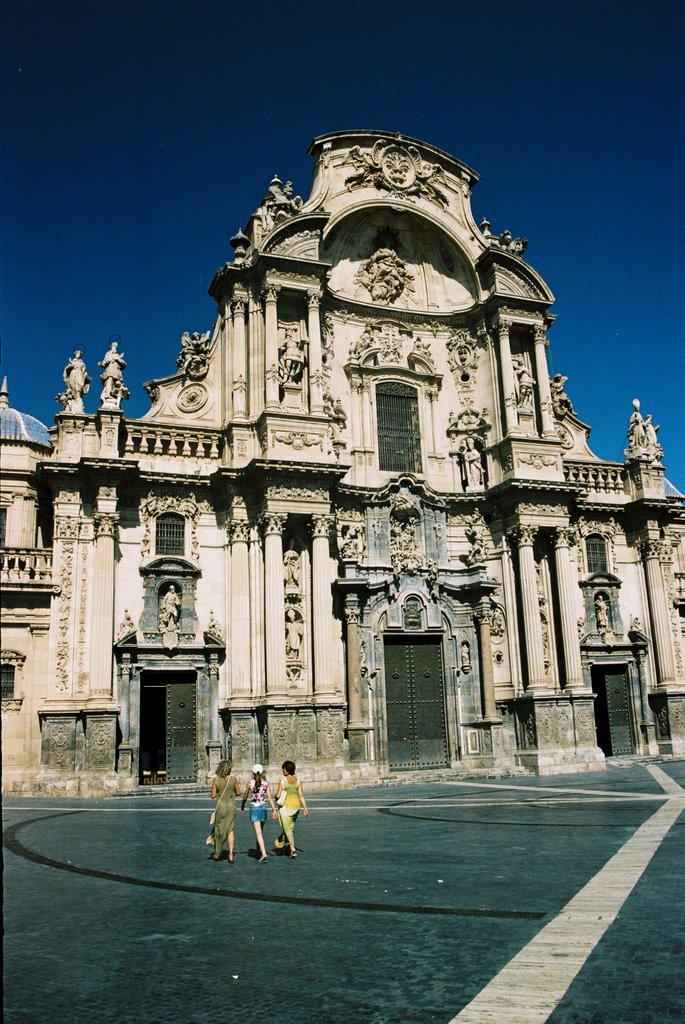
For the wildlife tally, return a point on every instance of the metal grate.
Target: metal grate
(596, 548)
(170, 535)
(399, 440)
(7, 681)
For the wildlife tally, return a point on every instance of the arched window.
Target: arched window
(399, 441)
(596, 548)
(170, 532)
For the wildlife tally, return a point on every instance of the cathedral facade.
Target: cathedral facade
(359, 526)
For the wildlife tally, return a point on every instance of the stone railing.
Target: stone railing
(25, 565)
(165, 442)
(606, 479)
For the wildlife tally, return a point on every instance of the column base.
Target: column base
(669, 707)
(358, 743)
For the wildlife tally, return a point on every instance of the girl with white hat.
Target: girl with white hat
(259, 792)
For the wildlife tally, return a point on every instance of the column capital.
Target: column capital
(273, 523)
(540, 335)
(523, 535)
(270, 292)
(238, 306)
(483, 615)
(352, 615)
(238, 531)
(321, 525)
(652, 549)
(313, 299)
(564, 536)
(503, 324)
(105, 524)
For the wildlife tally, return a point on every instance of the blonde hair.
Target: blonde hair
(223, 769)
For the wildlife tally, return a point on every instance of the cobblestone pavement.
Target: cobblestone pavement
(407, 904)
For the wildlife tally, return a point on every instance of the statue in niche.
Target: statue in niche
(351, 542)
(291, 569)
(497, 626)
(385, 276)
(114, 389)
(127, 626)
(77, 383)
(192, 362)
(523, 385)
(465, 657)
(478, 551)
(472, 466)
(291, 357)
(169, 610)
(294, 632)
(601, 614)
(561, 403)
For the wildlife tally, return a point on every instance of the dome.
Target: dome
(19, 426)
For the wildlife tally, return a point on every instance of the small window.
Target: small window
(7, 681)
(170, 535)
(596, 548)
(399, 441)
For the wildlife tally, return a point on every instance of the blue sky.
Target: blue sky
(139, 136)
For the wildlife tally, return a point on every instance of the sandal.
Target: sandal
(230, 858)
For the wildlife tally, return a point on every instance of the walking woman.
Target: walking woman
(259, 791)
(225, 788)
(290, 798)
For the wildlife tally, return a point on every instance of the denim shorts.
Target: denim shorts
(258, 813)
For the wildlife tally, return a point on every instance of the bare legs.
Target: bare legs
(260, 839)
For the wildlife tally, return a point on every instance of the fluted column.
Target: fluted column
(239, 360)
(568, 588)
(240, 607)
(321, 604)
(535, 655)
(274, 602)
(256, 613)
(102, 620)
(271, 343)
(511, 419)
(315, 364)
(354, 678)
(659, 612)
(542, 371)
(484, 620)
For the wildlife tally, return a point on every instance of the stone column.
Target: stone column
(240, 608)
(274, 525)
(271, 343)
(432, 396)
(102, 620)
(659, 612)
(256, 613)
(239, 360)
(354, 677)
(568, 586)
(511, 420)
(535, 656)
(315, 363)
(321, 604)
(484, 620)
(542, 371)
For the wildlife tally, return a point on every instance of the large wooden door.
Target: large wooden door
(612, 711)
(181, 741)
(415, 704)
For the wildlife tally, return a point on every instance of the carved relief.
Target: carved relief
(399, 170)
(406, 542)
(64, 616)
(385, 276)
(351, 541)
(298, 439)
(193, 360)
(192, 398)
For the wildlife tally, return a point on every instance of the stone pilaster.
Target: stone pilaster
(546, 413)
(276, 680)
(321, 605)
(271, 344)
(487, 675)
(239, 360)
(315, 360)
(525, 537)
(568, 587)
(256, 559)
(659, 613)
(356, 727)
(102, 616)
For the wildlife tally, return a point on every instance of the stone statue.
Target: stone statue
(561, 403)
(192, 362)
(472, 465)
(601, 614)
(351, 542)
(113, 390)
(77, 382)
(523, 385)
(127, 626)
(478, 551)
(291, 569)
(636, 427)
(465, 657)
(642, 435)
(294, 632)
(279, 202)
(517, 246)
(213, 627)
(291, 357)
(169, 611)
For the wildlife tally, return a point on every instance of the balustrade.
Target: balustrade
(25, 565)
(172, 444)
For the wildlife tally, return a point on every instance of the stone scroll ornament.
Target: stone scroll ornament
(397, 169)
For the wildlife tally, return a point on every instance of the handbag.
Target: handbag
(212, 818)
(282, 798)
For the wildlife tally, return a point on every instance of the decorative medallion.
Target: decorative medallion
(192, 398)
(385, 276)
(398, 169)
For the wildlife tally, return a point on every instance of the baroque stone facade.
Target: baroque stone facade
(359, 526)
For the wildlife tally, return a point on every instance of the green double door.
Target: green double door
(415, 704)
(612, 711)
(168, 727)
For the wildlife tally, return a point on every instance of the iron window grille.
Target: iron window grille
(7, 681)
(596, 548)
(170, 533)
(399, 438)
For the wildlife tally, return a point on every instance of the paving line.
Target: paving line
(531, 985)
(668, 784)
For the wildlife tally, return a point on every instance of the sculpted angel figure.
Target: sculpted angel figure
(561, 403)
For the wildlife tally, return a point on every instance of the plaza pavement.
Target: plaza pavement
(516, 900)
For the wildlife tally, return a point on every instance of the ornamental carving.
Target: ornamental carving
(193, 360)
(463, 355)
(285, 493)
(351, 542)
(385, 277)
(398, 170)
(192, 398)
(105, 524)
(297, 440)
(64, 616)
(238, 531)
(537, 460)
(384, 339)
(406, 543)
(273, 524)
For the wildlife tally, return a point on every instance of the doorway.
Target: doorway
(168, 742)
(612, 710)
(415, 703)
